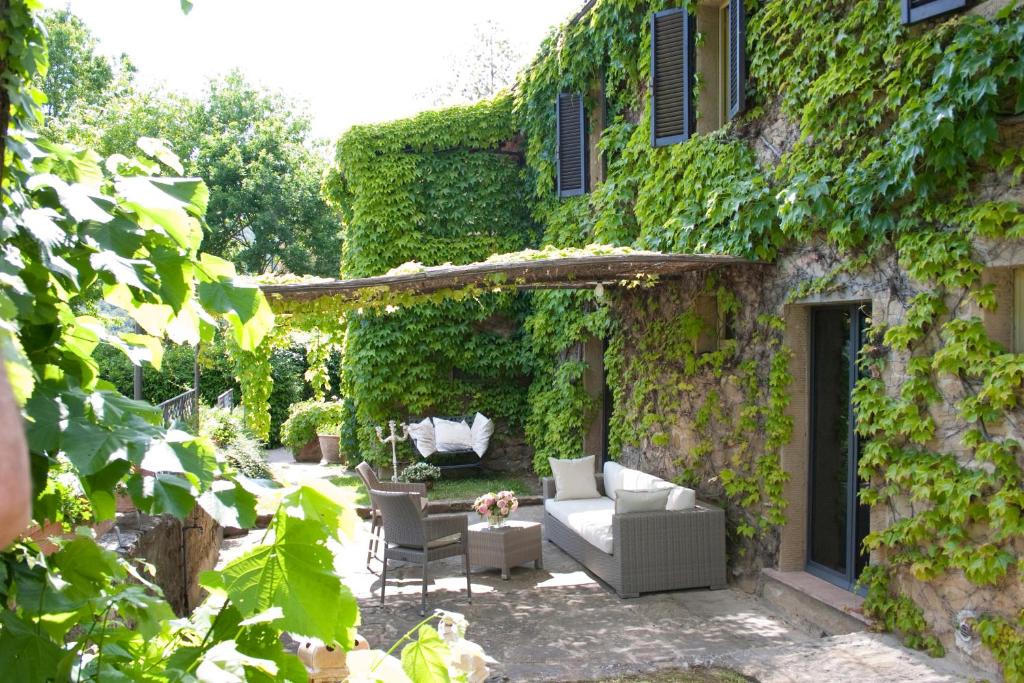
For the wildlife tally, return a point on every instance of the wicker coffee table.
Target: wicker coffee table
(507, 546)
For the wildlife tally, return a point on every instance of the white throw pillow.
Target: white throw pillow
(452, 436)
(481, 432)
(574, 479)
(423, 435)
(653, 500)
(612, 478)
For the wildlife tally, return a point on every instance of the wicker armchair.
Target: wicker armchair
(412, 536)
(372, 483)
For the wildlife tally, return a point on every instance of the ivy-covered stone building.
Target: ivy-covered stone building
(851, 394)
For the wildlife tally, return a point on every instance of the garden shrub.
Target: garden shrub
(306, 418)
(227, 430)
(64, 493)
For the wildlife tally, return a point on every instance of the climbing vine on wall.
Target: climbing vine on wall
(887, 132)
(444, 187)
(893, 128)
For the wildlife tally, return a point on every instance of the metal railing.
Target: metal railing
(184, 408)
(226, 400)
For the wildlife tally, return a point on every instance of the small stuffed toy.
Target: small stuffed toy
(327, 664)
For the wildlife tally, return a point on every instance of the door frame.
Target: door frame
(847, 580)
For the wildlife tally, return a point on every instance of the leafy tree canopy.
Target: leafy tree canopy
(253, 147)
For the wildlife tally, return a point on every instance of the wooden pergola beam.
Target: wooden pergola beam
(571, 272)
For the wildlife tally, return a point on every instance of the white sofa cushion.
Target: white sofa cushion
(452, 436)
(681, 498)
(635, 480)
(653, 500)
(574, 478)
(590, 518)
(612, 478)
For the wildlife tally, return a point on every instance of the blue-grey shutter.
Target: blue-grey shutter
(673, 58)
(919, 10)
(737, 58)
(572, 145)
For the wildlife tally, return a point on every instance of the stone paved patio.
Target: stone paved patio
(560, 624)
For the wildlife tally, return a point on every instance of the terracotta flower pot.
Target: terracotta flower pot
(329, 448)
(309, 452)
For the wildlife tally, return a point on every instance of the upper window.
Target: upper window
(673, 43)
(676, 58)
(919, 10)
(570, 119)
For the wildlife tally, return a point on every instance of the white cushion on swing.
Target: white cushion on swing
(422, 434)
(452, 436)
(481, 432)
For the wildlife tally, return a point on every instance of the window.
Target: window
(676, 60)
(736, 40)
(919, 10)
(572, 145)
(673, 43)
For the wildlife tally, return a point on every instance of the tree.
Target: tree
(487, 66)
(253, 147)
(78, 75)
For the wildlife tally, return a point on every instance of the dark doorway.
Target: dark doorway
(838, 521)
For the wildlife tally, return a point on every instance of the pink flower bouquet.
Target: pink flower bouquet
(496, 507)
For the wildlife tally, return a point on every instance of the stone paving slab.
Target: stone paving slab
(861, 657)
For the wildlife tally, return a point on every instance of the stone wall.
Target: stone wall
(159, 541)
(766, 290)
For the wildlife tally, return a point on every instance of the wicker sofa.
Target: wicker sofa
(650, 551)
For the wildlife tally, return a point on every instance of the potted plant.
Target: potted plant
(329, 437)
(299, 431)
(421, 472)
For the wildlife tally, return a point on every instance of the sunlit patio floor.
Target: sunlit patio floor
(561, 624)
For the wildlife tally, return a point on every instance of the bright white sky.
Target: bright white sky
(353, 62)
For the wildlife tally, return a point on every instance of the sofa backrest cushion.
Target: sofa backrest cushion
(653, 500)
(680, 497)
(574, 479)
(612, 478)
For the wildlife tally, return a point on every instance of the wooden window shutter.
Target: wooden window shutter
(919, 10)
(737, 58)
(572, 145)
(673, 60)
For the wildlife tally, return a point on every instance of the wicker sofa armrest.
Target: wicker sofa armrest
(439, 526)
(548, 488)
(672, 537)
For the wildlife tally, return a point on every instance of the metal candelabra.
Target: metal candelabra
(393, 438)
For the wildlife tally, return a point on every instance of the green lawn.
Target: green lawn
(446, 489)
(469, 488)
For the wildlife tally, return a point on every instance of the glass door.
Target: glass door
(838, 521)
